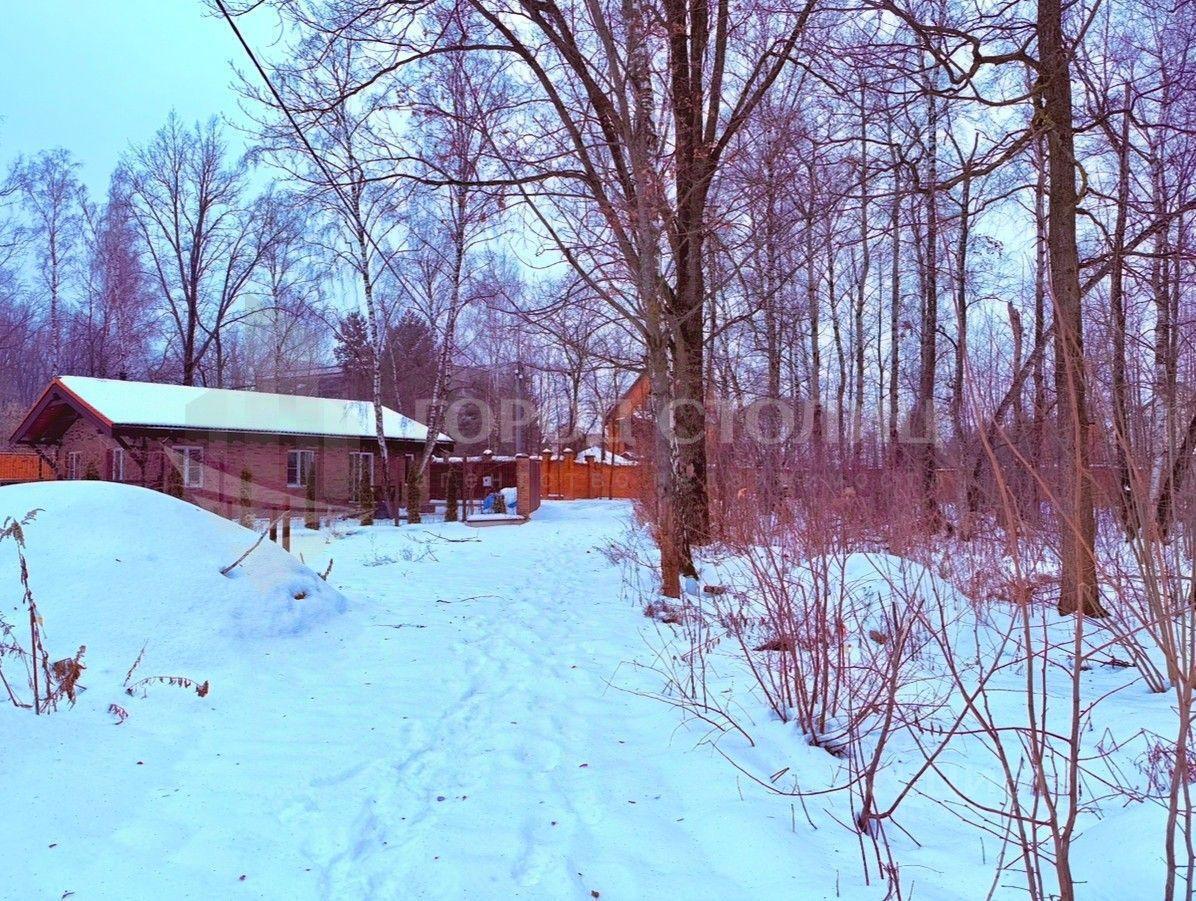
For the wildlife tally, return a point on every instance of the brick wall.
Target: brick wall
(224, 458)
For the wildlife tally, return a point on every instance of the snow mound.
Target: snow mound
(115, 567)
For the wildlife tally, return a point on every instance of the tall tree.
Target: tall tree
(53, 198)
(115, 323)
(1077, 587)
(641, 144)
(203, 243)
(331, 150)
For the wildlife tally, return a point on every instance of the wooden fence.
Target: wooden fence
(24, 468)
(551, 479)
(567, 479)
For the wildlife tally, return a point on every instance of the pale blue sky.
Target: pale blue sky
(95, 75)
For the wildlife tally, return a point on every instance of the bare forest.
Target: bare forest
(912, 277)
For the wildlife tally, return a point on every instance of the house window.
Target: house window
(361, 470)
(191, 462)
(118, 465)
(74, 465)
(301, 468)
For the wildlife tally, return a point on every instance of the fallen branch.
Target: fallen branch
(450, 540)
(228, 569)
(201, 688)
(475, 597)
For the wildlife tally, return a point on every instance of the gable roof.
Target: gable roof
(119, 404)
(631, 400)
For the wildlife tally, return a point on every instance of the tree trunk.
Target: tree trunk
(1173, 481)
(895, 325)
(857, 420)
(1038, 375)
(1077, 520)
(692, 173)
(959, 385)
(923, 413)
(375, 332)
(1120, 388)
(812, 310)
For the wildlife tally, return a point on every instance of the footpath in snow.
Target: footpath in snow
(477, 723)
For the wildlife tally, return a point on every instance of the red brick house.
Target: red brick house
(623, 426)
(202, 439)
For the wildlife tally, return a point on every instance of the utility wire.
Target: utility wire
(282, 104)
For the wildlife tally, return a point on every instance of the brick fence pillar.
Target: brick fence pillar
(523, 485)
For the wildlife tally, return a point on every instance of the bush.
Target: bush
(173, 480)
(415, 484)
(367, 501)
(310, 518)
(92, 473)
(452, 496)
(500, 502)
(246, 498)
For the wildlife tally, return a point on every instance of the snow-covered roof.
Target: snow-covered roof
(603, 456)
(150, 405)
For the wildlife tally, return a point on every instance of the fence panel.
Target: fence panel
(24, 468)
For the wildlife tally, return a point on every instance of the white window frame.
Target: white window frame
(355, 466)
(302, 473)
(74, 465)
(191, 466)
(118, 464)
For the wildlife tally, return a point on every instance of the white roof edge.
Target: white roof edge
(155, 405)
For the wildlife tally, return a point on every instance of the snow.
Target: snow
(151, 405)
(115, 566)
(494, 517)
(459, 713)
(604, 456)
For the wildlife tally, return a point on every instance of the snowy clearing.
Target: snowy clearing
(453, 734)
(470, 713)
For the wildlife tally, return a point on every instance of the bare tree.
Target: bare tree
(115, 324)
(52, 198)
(641, 145)
(460, 98)
(1077, 591)
(202, 241)
(331, 151)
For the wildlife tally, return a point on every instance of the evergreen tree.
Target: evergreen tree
(354, 355)
(409, 365)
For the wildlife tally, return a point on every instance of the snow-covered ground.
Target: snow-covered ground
(457, 713)
(469, 727)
